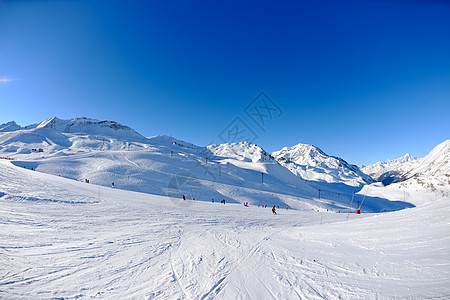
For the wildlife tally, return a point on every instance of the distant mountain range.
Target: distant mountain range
(435, 164)
(390, 170)
(107, 151)
(305, 161)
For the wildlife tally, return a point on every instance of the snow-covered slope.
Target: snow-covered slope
(389, 170)
(244, 151)
(432, 171)
(91, 126)
(426, 178)
(153, 168)
(435, 164)
(79, 134)
(10, 126)
(62, 239)
(105, 152)
(311, 163)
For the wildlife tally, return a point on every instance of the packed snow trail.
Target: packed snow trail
(65, 239)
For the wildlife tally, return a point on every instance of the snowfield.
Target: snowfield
(106, 152)
(60, 238)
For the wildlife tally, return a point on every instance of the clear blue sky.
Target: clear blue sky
(364, 80)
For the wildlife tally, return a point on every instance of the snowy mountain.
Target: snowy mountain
(243, 151)
(91, 126)
(433, 168)
(105, 152)
(422, 177)
(390, 170)
(435, 164)
(10, 126)
(310, 163)
(62, 238)
(79, 134)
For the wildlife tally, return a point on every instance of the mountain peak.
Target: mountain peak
(407, 158)
(381, 167)
(242, 151)
(435, 164)
(51, 123)
(311, 163)
(90, 126)
(10, 126)
(299, 152)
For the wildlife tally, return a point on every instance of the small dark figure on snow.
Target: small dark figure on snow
(274, 211)
(223, 201)
(184, 197)
(113, 186)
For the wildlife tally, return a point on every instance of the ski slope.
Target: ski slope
(60, 238)
(106, 152)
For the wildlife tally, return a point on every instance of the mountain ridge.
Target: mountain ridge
(106, 151)
(302, 158)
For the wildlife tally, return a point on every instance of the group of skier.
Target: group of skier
(274, 208)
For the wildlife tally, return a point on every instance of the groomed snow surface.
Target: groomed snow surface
(60, 238)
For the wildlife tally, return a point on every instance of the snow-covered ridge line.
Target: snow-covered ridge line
(435, 164)
(389, 170)
(245, 151)
(246, 163)
(76, 125)
(311, 163)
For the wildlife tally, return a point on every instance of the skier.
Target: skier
(223, 201)
(184, 197)
(286, 207)
(113, 186)
(274, 210)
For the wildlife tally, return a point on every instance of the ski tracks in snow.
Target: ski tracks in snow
(121, 244)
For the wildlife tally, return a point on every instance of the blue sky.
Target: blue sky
(364, 80)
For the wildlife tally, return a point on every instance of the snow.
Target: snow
(60, 238)
(435, 164)
(390, 170)
(311, 163)
(63, 238)
(91, 126)
(106, 152)
(10, 126)
(243, 151)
